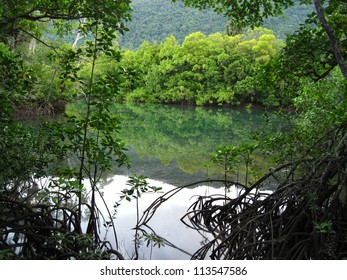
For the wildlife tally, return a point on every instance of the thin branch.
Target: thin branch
(41, 41)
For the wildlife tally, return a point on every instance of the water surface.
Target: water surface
(172, 146)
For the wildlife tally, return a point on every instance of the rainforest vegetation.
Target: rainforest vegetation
(156, 20)
(203, 70)
(50, 172)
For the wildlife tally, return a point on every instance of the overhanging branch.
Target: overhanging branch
(332, 37)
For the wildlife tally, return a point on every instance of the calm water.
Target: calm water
(174, 144)
(166, 222)
(171, 145)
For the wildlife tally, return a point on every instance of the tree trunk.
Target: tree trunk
(332, 37)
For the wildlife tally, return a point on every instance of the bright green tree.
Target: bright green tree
(332, 19)
(204, 70)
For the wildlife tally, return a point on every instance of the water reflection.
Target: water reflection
(174, 143)
(166, 222)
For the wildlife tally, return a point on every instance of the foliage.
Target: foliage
(308, 54)
(42, 204)
(49, 199)
(303, 219)
(91, 139)
(304, 216)
(21, 18)
(15, 80)
(47, 96)
(244, 13)
(156, 20)
(204, 70)
(232, 157)
(139, 186)
(22, 26)
(331, 20)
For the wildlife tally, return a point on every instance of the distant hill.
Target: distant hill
(155, 20)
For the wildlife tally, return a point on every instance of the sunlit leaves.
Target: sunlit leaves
(214, 69)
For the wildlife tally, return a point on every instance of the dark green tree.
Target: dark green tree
(41, 216)
(19, 19)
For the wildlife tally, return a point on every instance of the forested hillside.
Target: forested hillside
(155, 20)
